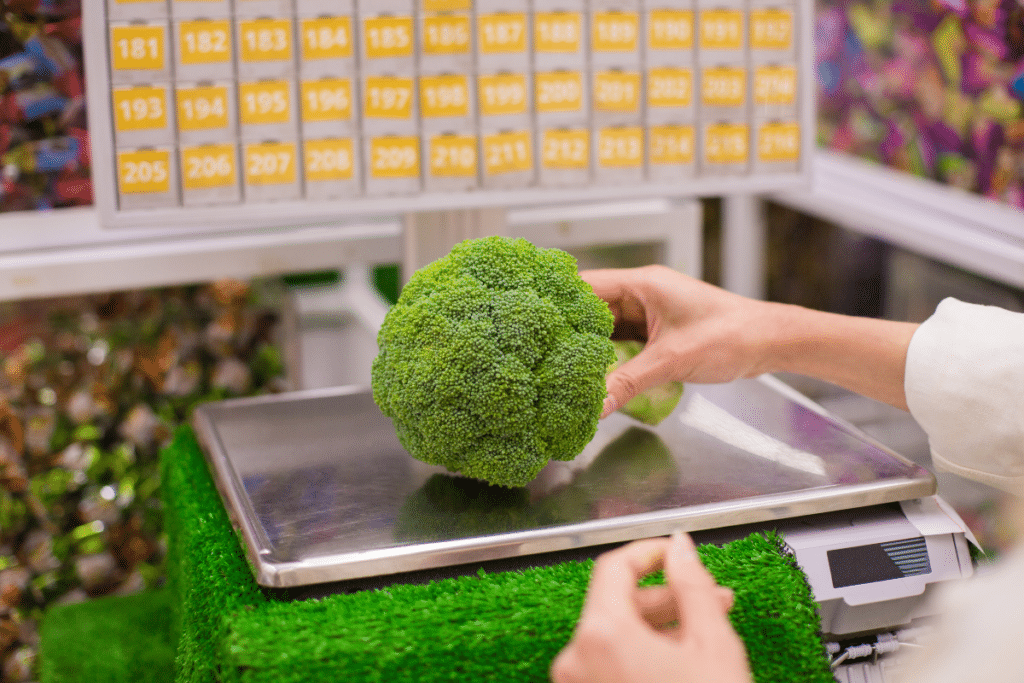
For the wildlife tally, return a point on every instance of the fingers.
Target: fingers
(648, 368)
(613, 581)
(700, 600)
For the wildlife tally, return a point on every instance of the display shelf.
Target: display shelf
(68, 252)
(934, 220)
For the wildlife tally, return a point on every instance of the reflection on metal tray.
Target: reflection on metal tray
(323, 491)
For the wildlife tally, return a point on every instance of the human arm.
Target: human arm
(678, 632)
(696, 332)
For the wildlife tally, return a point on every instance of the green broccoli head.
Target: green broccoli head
(493, 360)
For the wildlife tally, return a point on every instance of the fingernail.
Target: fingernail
(685, 546)
(608, 408)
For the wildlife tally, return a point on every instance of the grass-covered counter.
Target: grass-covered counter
(507, 626)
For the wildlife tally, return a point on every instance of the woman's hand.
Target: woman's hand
(694, 332)
(678, 632)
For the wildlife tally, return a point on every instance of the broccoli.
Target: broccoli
(493, 361)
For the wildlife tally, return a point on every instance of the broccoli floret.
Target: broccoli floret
(493, 360)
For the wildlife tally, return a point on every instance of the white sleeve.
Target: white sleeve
(965, 386)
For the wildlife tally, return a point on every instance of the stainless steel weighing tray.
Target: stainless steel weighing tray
(322, 491)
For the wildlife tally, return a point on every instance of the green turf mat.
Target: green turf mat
(110, 640)
(500, 627)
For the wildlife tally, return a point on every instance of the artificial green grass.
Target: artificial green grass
(111, 640)
(504, 626)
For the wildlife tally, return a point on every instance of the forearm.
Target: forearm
(864, 355)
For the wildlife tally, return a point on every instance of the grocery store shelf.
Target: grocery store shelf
(68, 252)
(934, 220)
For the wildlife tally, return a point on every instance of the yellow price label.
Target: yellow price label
(447, 5)
(385, 37)
(615, 31)
(502, 94)
(262, 102)
(329, 99)
(140, 108)
(330, 159)
(501, 33)
(617, 91)
(144, 171)
(203, 108)
(566, 148)
(670, 29)
(558, 91)
(727, 143)
(204, 42)
(507, 152)
(557, 31)
(620, 147)
(721, 29)
(388, 97)
(395, 156)
(326, 38)
(270, 163)
(446, 34)
(442, 96)
(141, 48)
(724, 86)
(771, 29)
(669, 87)
(775, 84)
(452, 156)
(265, 40)
(206, 166)
(778, 142)
(671, 144)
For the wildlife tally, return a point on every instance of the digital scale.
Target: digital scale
(323, 494)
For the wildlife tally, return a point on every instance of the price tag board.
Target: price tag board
(140, 108)
(771, 29)
(205, 166)
(144, 171)
(264, 102)
(670, 145)
(778, 142)
(328, 99)
(566, 149)
(558, 91)
(446, 34)
(326, 160)
(774, 84)
(394, 156)
(388, 97)
(557, 31)
(721, 29)
(447, 5)
(387, 37)
(444, 96)
(203, 108)
(326, 38)
(669, 87)
(507, 152)
(270, 163)
(617, 91)
(620, 147)
(204, 42)
(502, 94)
(724, 86)
(615, 31)
(265, 40)
(138, 48)
(502, 33)
(452, 156)
(727, 143)
(670, 29)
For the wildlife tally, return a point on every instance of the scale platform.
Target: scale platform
(322, 491)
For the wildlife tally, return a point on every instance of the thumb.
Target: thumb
(647, 369)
